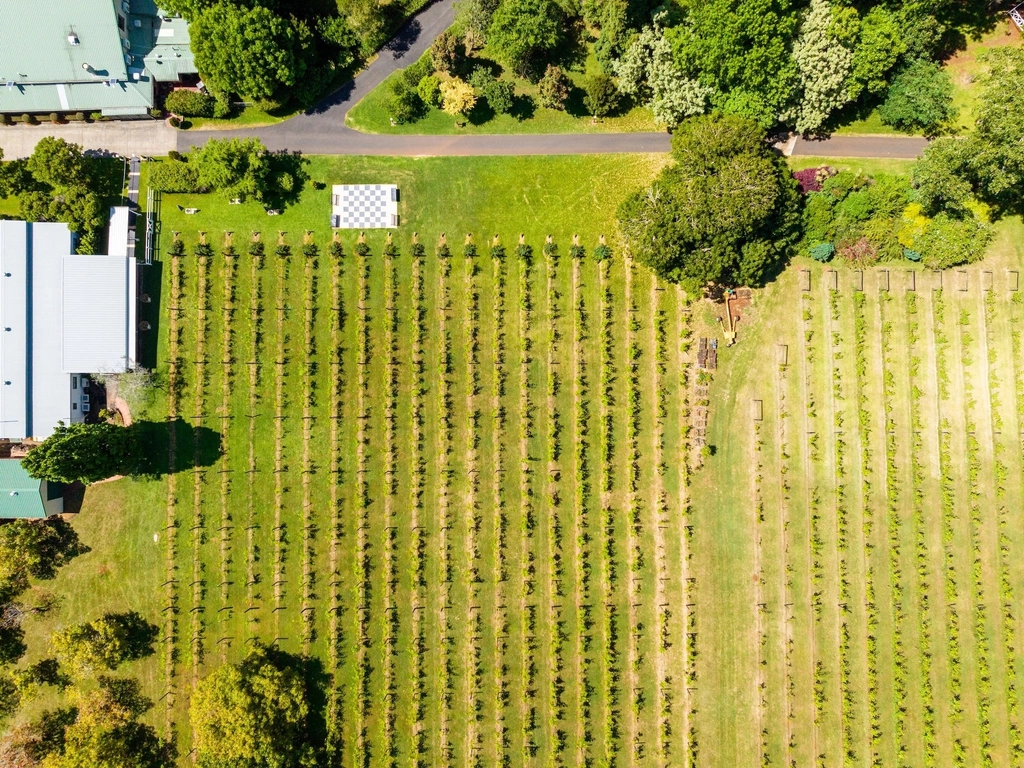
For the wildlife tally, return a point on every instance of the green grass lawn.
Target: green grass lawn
(370, 115)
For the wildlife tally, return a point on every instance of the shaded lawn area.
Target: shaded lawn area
(965, 67)
(868, 165)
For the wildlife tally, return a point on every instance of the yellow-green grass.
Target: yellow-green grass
(821, 379)
(871, 125)
(866, 165)
(250, 116)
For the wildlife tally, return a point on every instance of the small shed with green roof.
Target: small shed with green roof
(23, 497)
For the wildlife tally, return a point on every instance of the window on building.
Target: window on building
(74, 382)
(120, 22)
(74, 406)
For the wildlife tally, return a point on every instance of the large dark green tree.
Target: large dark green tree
(247, 52)
(998, 140)
(525, 34)
(83, 452)
(724, 212)
(252, 714)
(742, 49)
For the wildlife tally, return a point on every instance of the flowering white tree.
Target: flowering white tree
(824, 65)
(648, 73)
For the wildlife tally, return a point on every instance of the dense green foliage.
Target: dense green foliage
(59, 183)
(864, 220)
(725, 212)
(251, 714)
(103, 644)
(105, 731)
(190, 103)
(83, 452)
(919, 99)
(526, 33)
(280, 52)
(33, 548)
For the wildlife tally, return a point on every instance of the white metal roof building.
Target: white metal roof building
(62, 316)
(364, 206)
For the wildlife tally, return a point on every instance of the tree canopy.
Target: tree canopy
(104, 644)
(251, 714)
(83, 452)
(525, 33)
(725, 212)
(34, 548)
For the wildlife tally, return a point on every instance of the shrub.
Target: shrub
(190, 103)
(501, 95)
(174, 122)
(80, 117)
(222, 108)
(457, 97)
(861, 252)
(403, 104)
(600, 97)
(577, 252)
(948, 241)
(447, 52)
(480, 78)
(602, 252)
(823, 252)
(554, 87)
(174, 176)
(54, 117)
(29, 119)
(5, 119)
(429, 90)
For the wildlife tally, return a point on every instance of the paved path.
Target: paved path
(322, 130)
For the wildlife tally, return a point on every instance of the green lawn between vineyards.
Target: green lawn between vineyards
(736, 643)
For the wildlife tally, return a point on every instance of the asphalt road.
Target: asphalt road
(322, 130)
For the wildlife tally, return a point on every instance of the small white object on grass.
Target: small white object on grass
(156, 537)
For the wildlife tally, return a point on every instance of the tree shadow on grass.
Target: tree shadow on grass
(195, 447)
(523, 107)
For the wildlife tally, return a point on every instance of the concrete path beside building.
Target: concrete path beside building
(322, 130)
(121, 137)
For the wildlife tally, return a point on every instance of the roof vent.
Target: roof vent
(73, 39)
(14, 493)
(88, 68)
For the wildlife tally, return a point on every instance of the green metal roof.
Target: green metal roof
(37, 42)
(20, 495)
(71, 55)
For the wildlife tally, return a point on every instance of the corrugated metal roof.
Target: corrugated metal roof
(96, 292)
(14, 238)
(50, 400)
(20, 495)
(35, 44)
(78, 97)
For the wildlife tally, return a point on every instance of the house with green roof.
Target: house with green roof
(23, 497)
(106, 56)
